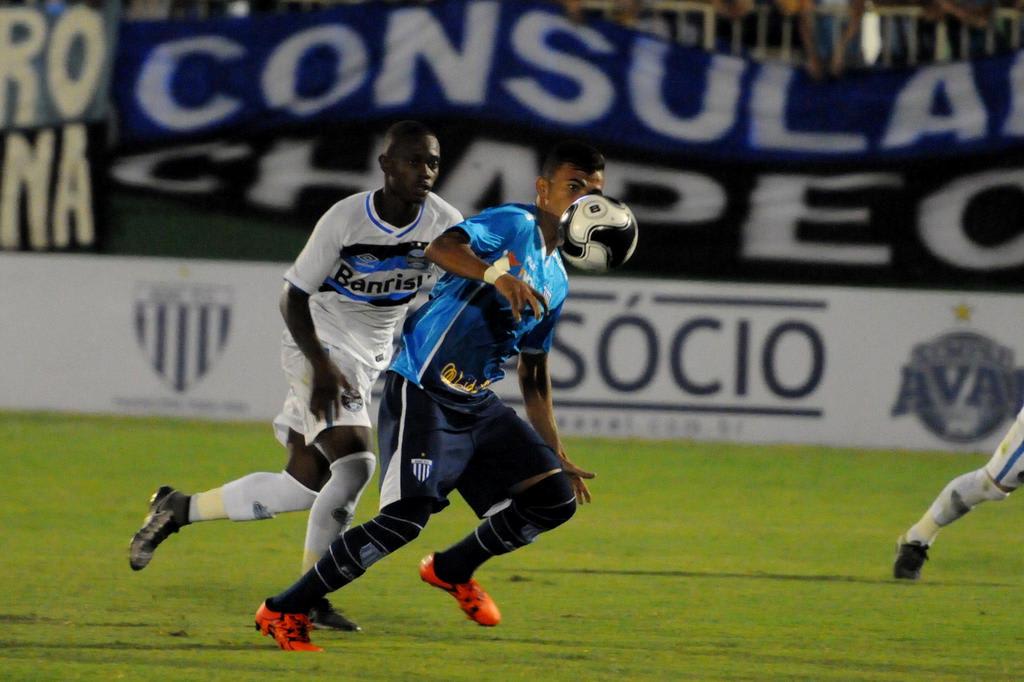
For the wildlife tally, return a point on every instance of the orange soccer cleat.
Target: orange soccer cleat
(474, 602)
(290, 630)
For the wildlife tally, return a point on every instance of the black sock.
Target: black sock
(334, 570)
(457, 563)
(541, 507)
(349, 556)
(499, 534)
(303, 595)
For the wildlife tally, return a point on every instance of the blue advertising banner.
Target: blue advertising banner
(524, 64)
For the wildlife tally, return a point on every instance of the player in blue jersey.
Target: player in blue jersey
(342, 301)
(441, 428)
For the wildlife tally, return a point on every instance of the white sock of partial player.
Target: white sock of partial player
(253, 497)
(336, 504)
(959, 496)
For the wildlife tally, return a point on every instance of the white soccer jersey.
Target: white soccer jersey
(362, 272)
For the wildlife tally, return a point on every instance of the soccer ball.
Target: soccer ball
(600, 233)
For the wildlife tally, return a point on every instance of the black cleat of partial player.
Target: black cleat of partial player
(159, 524)
(910, 556)
(323, 616)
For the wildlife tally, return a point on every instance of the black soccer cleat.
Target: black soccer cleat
(910, 556)
(158, 526)
(324, 616)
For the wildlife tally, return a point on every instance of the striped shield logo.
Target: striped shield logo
(183, 329)
(421, 468)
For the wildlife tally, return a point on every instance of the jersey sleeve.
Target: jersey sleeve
(491, 232)
(318, 256)
(453, 215)
(539, 339)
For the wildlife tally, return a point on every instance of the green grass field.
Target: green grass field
(695, 562)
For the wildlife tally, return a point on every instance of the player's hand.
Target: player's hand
(521, 296)
(576, 476)
(325, 396)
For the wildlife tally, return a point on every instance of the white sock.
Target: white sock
(924, 531)
(252, 497)
(332, 512)
(959, 496)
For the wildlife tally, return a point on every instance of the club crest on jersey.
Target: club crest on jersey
(417, 259)
(960, 385)
(421, 468)
(182, 329)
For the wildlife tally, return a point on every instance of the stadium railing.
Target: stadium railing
(891, 31)
(898, 20)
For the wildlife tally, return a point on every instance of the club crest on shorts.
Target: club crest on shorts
(421, 468)
(352, 401)
(183, 329)
(961, 385)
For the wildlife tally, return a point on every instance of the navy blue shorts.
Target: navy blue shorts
(428, 449)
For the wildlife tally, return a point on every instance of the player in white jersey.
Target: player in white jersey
(343, 298)
(1003, 474)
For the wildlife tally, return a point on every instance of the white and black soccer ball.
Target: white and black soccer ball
(600, 233)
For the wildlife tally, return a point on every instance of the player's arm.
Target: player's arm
(451, 251)
(326, 380)
(313, 265)
(535, 383)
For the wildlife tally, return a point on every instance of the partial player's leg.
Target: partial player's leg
(1003, 474)
(538, 509)
(344, 440)
(306, 464)
(253, 497)
(351, 468)
(512, 462)
(412, 488)
(347, 558)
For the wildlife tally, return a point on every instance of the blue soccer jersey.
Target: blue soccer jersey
(455, 345)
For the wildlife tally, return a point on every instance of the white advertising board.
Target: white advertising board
(855, 367)
(757, 363)
(140, 336)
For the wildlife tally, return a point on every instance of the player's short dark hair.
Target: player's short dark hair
(406, 130)
(575, 153)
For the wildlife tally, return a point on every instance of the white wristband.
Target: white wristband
(492, 274)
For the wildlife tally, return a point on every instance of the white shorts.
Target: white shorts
(296, 415)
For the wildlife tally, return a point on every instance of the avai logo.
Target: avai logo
(182, 328)
(421, 468)
(961, 385)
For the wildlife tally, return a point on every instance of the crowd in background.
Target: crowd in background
(826, 36)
